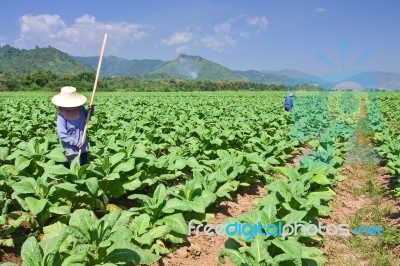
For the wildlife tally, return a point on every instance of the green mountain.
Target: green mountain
(184, 66)
(15, 61)
(116, 66)
(191, 67)
(260, 77)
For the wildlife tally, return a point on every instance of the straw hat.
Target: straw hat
(290, 94)
(68, 97)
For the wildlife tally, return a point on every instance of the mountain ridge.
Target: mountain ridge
(20, 61)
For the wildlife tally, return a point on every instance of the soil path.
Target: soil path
(364, 198)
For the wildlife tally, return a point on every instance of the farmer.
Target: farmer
(289, 102)
(71, 123)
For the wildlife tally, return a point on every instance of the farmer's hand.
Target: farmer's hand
(91, 109)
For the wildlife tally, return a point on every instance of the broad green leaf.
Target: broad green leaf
(83, 219)
(125, 166)
(175, 222)
(21, 163)
(93, 185)
(4, 151)
(31, 253)
(132, 185)
(321, 179)
(231, 250)
(140, 223)
(294, 217)
(180, 164)
(57, 155)
(176, 204)
(258, 250)
(121, 252)
(26, 186)
(58, 170)
(116, 158)
(34, 205)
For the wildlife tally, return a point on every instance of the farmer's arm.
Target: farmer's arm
(63, 132)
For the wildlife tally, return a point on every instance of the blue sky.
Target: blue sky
(318, 37)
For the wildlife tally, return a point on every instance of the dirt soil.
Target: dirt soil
(337, 249)
(12, 255)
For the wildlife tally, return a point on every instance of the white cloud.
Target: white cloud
(244, 34)
(260, 22)
(223, 28)
(223, 36)
(320, 9)
(81, 38)
(181, 49)
(179, 38)
(218, 42)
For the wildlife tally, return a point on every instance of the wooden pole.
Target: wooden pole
(93, 92)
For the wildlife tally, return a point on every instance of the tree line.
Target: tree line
(48, 81)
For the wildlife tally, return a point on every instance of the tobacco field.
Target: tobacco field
(159, 160)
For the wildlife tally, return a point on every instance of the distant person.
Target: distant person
(289, 102)
(71, 122)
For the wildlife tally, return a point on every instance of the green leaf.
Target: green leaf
(231, 250)
(132, 185)
(294, 217)
(116, 158)
(93, 185)
(125, 166)
(158, 232)
(160, 193)
(75, 166)
(270, 210)
(83, 219)
(321, 179)
(61, 210)
(176, 222)
(57, 155)
(291, 247)
(67, 186)
(26, 186)
(140, 223)
(21, 163)
(58, 170)
(180, 164)
(4, 152)
(341, 178)
(121, 252)
(258, 250)
(198, 205)
(176, 204)
(31, 253)
(34, 205)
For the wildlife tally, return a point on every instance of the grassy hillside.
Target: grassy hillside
(186, 66)
(116, 66)
(15, 61)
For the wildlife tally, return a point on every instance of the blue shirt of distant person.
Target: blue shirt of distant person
(289, 100)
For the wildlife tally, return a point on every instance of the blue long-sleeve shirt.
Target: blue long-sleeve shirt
(71, 132)
(289, 102)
